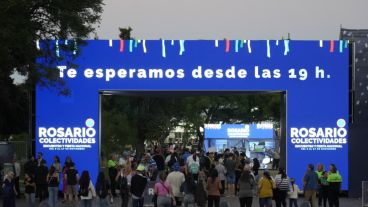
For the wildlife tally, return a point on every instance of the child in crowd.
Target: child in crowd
(293, 194)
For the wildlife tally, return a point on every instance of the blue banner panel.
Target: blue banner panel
(314, 75)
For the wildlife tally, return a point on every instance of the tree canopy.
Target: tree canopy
(135, 119)
(23, 22)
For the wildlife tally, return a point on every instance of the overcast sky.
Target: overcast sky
(232, 19)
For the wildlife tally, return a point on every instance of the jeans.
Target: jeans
(189, 199)
(53, 196)
(293, 202)
(103, 202)
(164, 201)
(246, 201)
(213, 200)
(265, 202)
(86, 203)
(30, 199)
(137, 202)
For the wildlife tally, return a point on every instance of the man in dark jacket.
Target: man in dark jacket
(138, 185)
(41, 180)
(30, 166)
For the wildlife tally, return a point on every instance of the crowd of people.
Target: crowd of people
(180, 177)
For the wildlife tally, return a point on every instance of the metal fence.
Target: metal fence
(364, 193)
(21, 150)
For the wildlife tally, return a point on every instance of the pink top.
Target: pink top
(162, 190)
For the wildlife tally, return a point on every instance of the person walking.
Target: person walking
(72, 178)
(213, 187)
(310, 185)
(293, 194)
(246, 186)
(334, 181)
(230, 165)
(8, 190)
(41, 181)
(222, 175)
(53, 186)
(138, 185)
(102, 189)
(176, 179)
(201, 193)
(193, 164)
(67, 164)
(87, 190)
(256, 166)
(16, 169)
(112, 168)
(189, 191)
(162, 189)
(123, 185)
(265, 186)
(276, 160)
(29, 190)
(282, 187)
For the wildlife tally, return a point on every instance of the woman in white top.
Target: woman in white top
(87, 190)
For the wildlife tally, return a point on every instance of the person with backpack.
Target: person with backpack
(71, 177)
(222, 175)
(282, 187)
(213, 187)
(230, 165)
(102, 189)
(246, 186)
(176, 179)
(162, 189)
(138, 185)
(29, 190)
(53, 186)
(189, 190)
(8, 190)
(265, 187)
(193, 164)
(123, 186)
(87, 190)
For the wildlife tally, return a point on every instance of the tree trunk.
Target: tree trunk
(200, 138)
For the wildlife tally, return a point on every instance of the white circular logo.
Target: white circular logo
(341, 123)
(90, 123)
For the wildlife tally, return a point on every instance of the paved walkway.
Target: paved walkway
(231, 201)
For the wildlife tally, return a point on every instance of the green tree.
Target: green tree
(125, 33)
(136, 119)
(23, 22)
